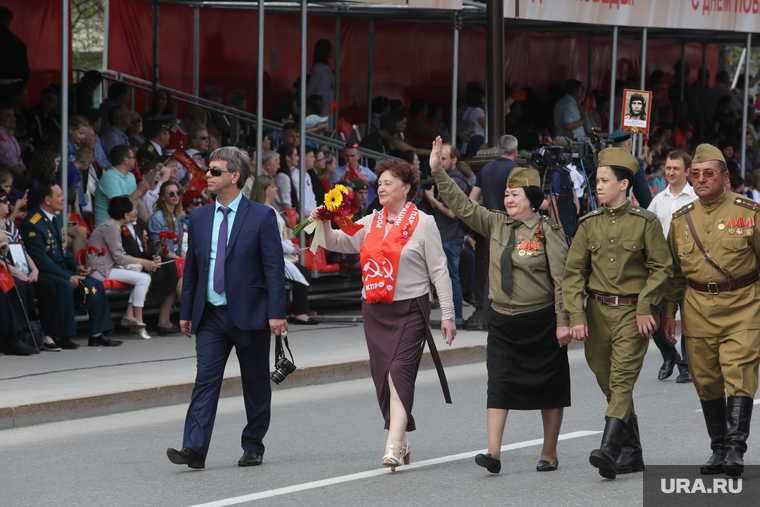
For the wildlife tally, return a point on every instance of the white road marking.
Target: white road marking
(381, 471)
(756, 402)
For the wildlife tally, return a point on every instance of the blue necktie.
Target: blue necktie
(221, 253)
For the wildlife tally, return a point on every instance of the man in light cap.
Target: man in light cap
(715, 248)
(622, 252)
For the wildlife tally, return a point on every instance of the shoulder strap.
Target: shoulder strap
(542, 237)
(701, 247)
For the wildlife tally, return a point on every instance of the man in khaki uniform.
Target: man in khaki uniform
(620, 248)
(715, 248)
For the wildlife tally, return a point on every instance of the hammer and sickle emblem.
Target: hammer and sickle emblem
(372, 269)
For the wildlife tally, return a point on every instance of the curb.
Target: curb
(127, 401)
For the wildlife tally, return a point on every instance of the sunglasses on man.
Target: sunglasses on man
(216, 172)
(708, 174)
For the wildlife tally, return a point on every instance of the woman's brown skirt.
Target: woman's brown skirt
(396, 336)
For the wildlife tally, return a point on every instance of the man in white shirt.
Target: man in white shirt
(676, 195)
(351, 156)
(310, 201)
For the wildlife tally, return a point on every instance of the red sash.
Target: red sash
(186, 160)
(380, 255)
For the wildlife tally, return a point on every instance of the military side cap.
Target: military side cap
(619, 136)
(193, 112)
(523, 177)
(706, 152)
(360, 184)
(213, 91)
(620, 158)
(235, 96)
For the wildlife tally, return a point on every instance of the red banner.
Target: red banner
(186, 160)
(180, 263)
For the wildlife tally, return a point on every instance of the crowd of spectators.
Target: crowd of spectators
(134, 176)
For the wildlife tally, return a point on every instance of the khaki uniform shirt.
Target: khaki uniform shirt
(707, 315)
(622, 252)
(532, 288)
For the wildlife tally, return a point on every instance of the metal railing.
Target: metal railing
(244, 118)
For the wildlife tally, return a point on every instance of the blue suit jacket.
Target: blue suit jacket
(254, 273)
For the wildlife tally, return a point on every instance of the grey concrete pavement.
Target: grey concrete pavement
(148, 373)
(333, 432)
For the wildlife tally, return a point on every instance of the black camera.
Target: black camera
(427, 183)
(282, 367)
(550, 156)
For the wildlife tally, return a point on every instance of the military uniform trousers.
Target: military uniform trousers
(100, 314)
(615, 353)
(727, 363)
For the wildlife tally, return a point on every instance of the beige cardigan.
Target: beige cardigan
(108, 235)
(422, 259)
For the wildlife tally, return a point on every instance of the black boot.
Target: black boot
(715, 419)
(738, 417)
(612, 440)
(631, 458)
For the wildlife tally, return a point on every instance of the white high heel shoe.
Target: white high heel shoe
(390, 459)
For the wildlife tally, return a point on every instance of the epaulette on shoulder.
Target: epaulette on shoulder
(681, 212)
(36, 218)
(594, 213)
(642, 212)
(747, 203)
(554, 225)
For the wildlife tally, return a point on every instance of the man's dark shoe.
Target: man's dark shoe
(666, 370)
(66, 343)
(187, 457)
(631, 458)
(489, 463)
(684, 377)
(714, 412)
(738, 418)
(102, 341)
(605, 458)
(251, 459)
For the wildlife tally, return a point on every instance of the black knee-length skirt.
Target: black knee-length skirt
(527, 369)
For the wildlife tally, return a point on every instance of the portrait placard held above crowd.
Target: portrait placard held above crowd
(636, 108)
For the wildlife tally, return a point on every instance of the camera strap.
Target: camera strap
(278, 350)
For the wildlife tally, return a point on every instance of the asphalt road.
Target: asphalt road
(333, 433)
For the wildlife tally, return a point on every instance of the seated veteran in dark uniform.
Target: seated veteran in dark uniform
(528, 329)
(157, 131)
(621, 251)
(42, 231)
(716, 249)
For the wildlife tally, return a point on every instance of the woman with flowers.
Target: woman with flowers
(166, 219)
(400, 251)
(108, 260)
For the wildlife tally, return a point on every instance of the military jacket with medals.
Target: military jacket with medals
(726, 228)
(536, 282)
(45, 242)
(621, 252)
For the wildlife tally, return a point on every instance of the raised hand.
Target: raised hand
(435, 154)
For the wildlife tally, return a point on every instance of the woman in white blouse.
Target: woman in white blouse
(401, 251)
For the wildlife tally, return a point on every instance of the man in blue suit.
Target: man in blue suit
(233, 294)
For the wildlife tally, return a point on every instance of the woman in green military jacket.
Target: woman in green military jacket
(529, 328)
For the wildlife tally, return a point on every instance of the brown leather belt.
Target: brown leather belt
(729, 285)
(613, 300)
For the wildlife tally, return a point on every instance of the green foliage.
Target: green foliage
(87, 32)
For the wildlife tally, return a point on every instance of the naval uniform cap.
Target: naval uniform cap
(618, 157)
